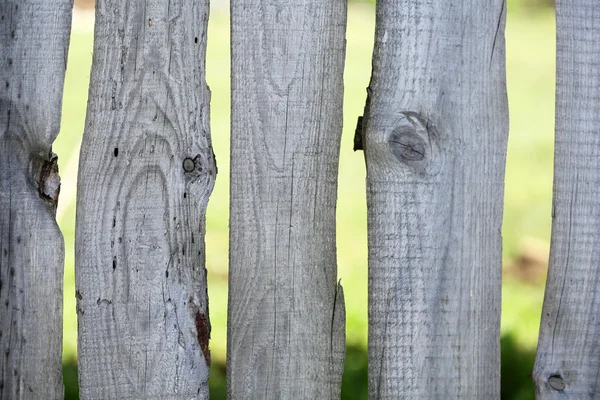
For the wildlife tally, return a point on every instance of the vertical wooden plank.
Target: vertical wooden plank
(435, 142)
(34, 38)
(146, 172)
(568, 356)
(286, 322)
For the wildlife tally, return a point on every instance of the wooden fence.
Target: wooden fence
(434, 135)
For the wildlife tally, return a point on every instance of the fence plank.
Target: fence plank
(435, 141)
(286, 334)
(568, 357)
(146, 172)
(34, 38)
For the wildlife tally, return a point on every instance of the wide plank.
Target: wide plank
(146, 172)
(286, 317)
(435, 135)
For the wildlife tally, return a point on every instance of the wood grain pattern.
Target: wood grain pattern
(34, 39)
(568, 356)
(146, 172)
(435, 134)
(286, 315)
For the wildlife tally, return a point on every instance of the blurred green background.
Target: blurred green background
(530, 37)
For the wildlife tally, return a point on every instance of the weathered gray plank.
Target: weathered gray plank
(286, 315)
(568, 356)
(435, 134)
(146, 172)
(34, 38)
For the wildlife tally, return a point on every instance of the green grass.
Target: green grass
(530, 68)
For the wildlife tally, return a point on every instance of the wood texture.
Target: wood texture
(435, 134)
(568, 356)
(146, 172)
(286, 322)
(34, 38)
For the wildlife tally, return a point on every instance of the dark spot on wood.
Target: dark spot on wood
(149, 21)
(30, 389)
(116, 152)
(12, 34)
(78, 295)
(114, 222)
(195, 40)
(184, 195)
(10, 61)
(192, 238)
(120, 240)
(167, 273)
(114, 263)
(103, 302)
(12, 271)
(203, 332)
(18, 239)
(7, 84)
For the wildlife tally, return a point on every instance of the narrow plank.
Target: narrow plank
(286, 322)
(146, 172)
(435, 134)
(34, 40)
(568, 356)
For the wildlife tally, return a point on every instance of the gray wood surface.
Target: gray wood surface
(435, 134)
(34, 39)
(568, 356)
(286, 315)
(146, 172)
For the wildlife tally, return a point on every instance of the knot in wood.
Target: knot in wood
(188, 165)
(410, 140)
(46, 177)
(406, 144)
(556, 382)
